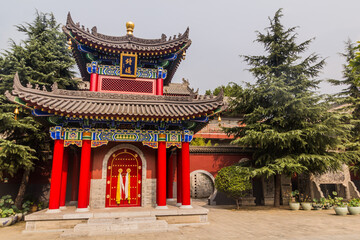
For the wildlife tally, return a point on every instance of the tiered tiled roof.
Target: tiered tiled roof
(95, 104)
(147, 48)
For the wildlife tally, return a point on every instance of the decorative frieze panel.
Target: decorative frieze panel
(101, 137)
(115, 71)
(73, 142)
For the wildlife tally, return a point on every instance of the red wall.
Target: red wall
(213, 162)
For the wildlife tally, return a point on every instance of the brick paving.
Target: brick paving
(249, 223)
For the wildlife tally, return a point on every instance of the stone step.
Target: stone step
(115, 227)
(122, 220)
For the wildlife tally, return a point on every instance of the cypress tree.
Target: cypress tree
(286, 123)
(42, 58)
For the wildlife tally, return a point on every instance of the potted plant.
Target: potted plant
(354, 206)
(305, 202)
(318, 204)
(339, 205)
(328, 203)
(294, 200)
(7, 211)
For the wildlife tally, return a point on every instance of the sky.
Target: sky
(220, 31)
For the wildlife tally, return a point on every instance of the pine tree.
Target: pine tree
(42, 58)
(286, 123)
(349, 100)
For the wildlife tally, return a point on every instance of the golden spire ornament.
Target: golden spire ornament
(16, 112)
(130, 28)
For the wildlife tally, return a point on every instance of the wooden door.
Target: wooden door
(123, 162)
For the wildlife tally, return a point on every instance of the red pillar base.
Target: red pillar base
(79, 210)
(53, 211)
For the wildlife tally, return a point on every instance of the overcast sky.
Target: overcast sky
(220, 30)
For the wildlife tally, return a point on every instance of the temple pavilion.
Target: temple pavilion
(123, 130)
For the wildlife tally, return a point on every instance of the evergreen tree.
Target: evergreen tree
(286, 123)
(230, 90)
(349, 100)
(42, 58)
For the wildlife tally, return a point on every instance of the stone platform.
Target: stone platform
(110, 221)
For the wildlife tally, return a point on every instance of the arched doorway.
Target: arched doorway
(124, 179)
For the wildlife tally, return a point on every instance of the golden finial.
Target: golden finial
(16, 112)
(130, 28)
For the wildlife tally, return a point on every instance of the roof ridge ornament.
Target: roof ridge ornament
(130, 28)
(54, 87)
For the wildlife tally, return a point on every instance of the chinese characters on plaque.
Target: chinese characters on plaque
(128, 65)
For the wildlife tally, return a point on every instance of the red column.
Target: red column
(159, 86)
(54, 201)
(64, 174)
(93, 82)
(75, 177)
(179, 178)
(170, 177)
(161, 176)
(84, 175)
(185, 175)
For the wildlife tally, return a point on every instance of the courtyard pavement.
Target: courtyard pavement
(247, 223)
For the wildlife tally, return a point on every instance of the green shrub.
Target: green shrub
(7, 207)
(234, 181)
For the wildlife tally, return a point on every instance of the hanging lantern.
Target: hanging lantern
(16, 112)
(69, 43)
(184, 55)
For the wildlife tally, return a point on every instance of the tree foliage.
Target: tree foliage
(230, 90)
(286, 123)
(199, 141)
(234, 181)
(42, 58)
(349, 100)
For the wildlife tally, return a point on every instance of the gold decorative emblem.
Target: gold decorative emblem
(114, 155)
(128, 170)
(139, 167)
(139, 195)
(108, 182)
(120, 170)
(125, 150)
(136, 155)
(108, 196)
(139, 181)
(109, 167)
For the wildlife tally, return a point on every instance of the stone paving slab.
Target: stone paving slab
(250, 223)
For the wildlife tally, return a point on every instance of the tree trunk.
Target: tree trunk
(277, 192)
(237, 204)
(22, 189)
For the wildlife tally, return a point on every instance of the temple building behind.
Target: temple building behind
(125, 139)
